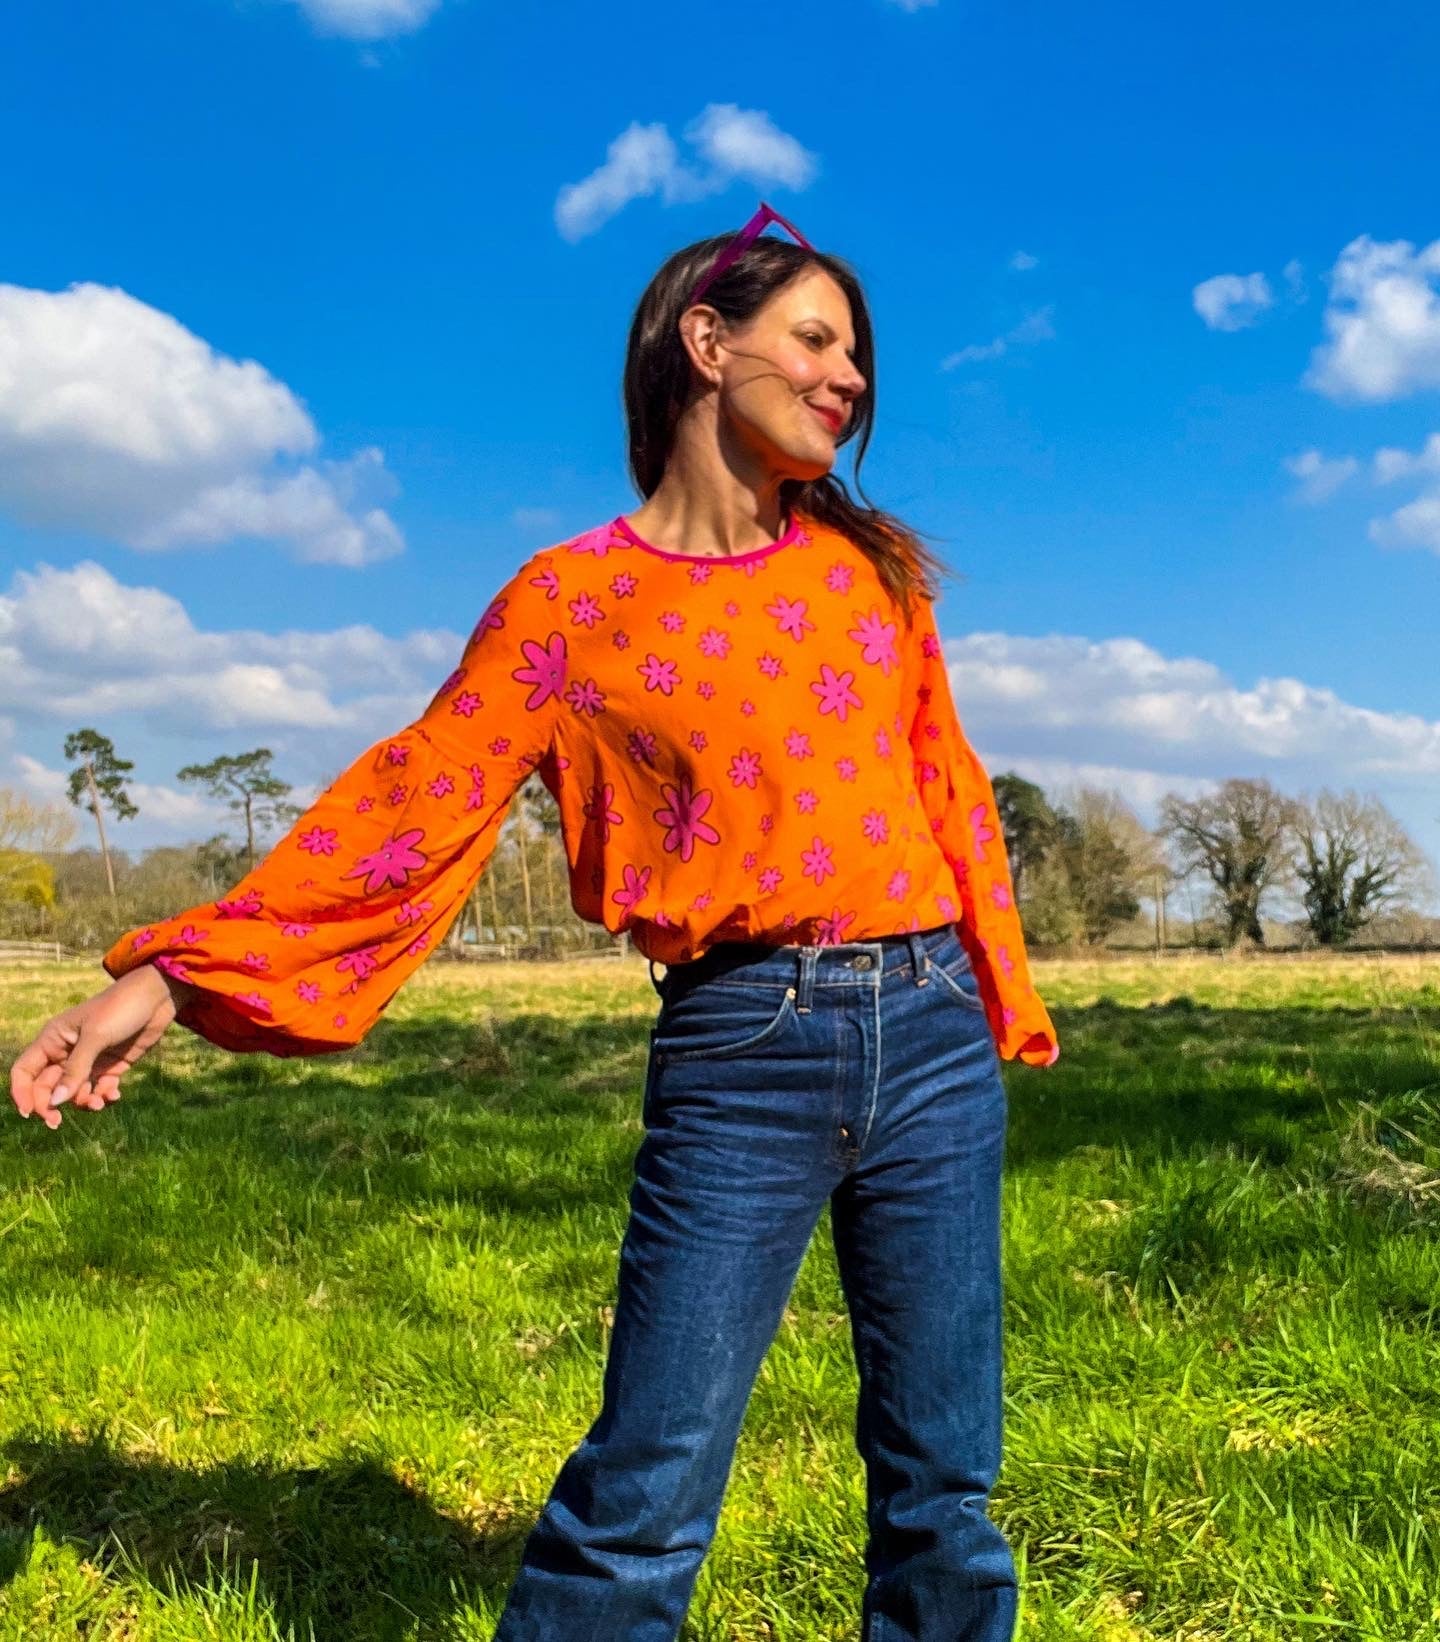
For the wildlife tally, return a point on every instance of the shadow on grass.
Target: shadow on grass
(346, 1550)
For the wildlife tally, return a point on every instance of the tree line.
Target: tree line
(1082, 861)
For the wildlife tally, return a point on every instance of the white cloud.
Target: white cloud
(1417, 522)
(1293, 274)
(1391, 464)
(643, 160)
(116, 419)
(368, 19)
(913, 5)
(1320, 476)
(1230, 302)
(1121, 704)
(1382, 321)
(536, 521)
(1022, 262)
(1037, 326)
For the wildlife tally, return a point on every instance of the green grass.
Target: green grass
(294, 1349)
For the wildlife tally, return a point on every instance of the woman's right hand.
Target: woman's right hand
(81, 1054)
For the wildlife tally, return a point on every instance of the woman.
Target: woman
(738, 698)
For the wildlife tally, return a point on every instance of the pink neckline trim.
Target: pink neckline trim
(791, 533)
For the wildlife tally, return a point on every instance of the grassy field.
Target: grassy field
(294, 1349)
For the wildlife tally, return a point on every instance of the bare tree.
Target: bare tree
(1239, 837)
(99, 781)
(1353, 859)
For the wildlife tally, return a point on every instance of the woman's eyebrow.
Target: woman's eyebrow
(815, 319)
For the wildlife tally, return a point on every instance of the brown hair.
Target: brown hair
(658, 381)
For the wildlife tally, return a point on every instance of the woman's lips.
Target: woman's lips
(831, 419)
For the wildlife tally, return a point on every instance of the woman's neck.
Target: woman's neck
(706, 508)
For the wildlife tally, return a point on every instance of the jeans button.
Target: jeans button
(862, 961)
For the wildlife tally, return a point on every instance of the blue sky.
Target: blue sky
(1158, 356)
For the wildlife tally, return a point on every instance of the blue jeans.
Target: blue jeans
(862, 1074)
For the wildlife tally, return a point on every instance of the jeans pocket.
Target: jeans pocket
(956, 974)
(716, 1020)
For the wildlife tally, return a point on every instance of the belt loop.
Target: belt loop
(919, 957)
(658, 985)
(805, 978)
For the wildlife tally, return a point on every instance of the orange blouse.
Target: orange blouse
(749, 748)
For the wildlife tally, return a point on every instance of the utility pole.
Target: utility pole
(1159, 914)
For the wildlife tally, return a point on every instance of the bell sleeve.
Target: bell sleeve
(959, 802)
(304, 953)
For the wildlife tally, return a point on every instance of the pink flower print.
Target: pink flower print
(1000, 895)
(703, 900)
(747, 707)
(899, 886)
(926, 770)
(642, 746)
(319, 840)
(875, 824)
(418, 945)
(190, 936)
(769, 880)
(797, 744)
(476, 796)
(660, 918)
(441, 787)
(659, 675)
(715, 641)
(623, 584)
(597, 808)
(1007, 1015)
(700, 574)
(392, 863)
(946, 907)
(548, 581)
(790, 616)
(788, 921)
(340, 1020)
(308, 992)
(173, 966)
(599, 542)
(882, 743)
(1006, 962)
(361, 963)
(256, 962)
(681, 816)
(699, 740)
(839, 577)
(296, 931)
(731, 609)
(256, 1000)
(493, 616)
(767, 821)
(771, 666)
(398, 793)
(397, 752)
(744, 768)
(451, 683)
(672, 621)
(586, 697)
(818, 860)
(620, 639)
(364, 805)
(500, 745)
(465, 703)
(705, 689)
(832, 929)
(409, 913)
(585, 611)
(240, 906)
(546, 669)
(846, 768)
(981, 831)
(876, 638)
(930, 730)
(930, 647)
(806, 800)
(634, 887)
(144, 938)
(748, 860)
(801, 538)
(835, 691)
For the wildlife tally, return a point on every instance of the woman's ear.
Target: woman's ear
(700, 328)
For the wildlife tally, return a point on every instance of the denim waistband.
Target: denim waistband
(842, 964)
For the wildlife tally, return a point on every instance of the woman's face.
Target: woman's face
(786, 381)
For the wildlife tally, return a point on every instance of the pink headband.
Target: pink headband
(740, 243)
